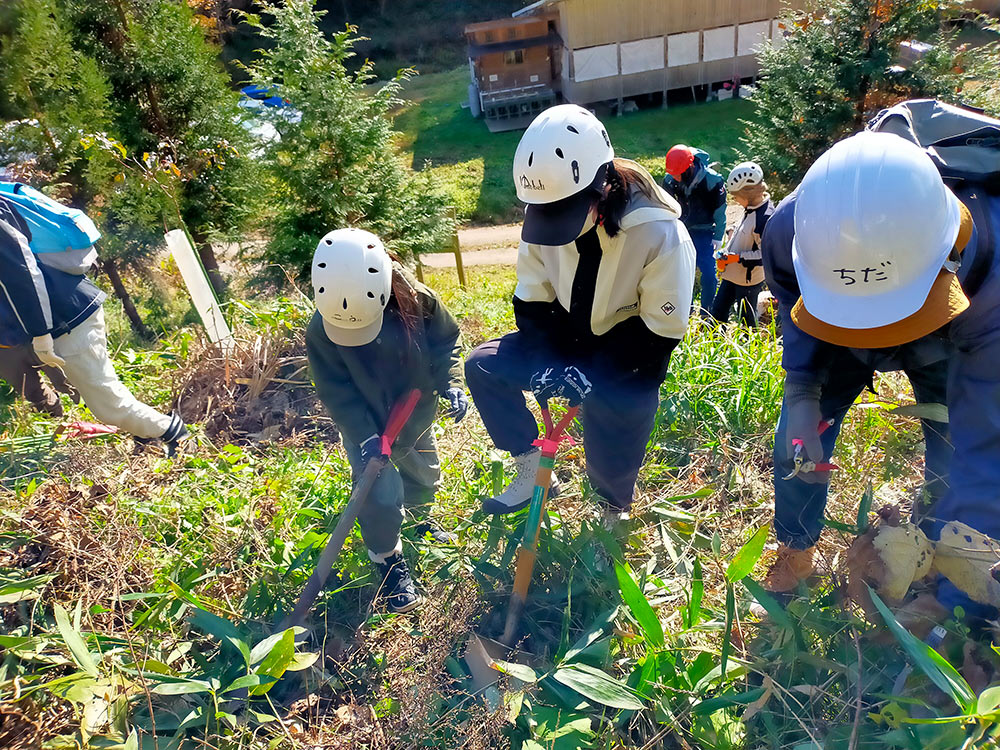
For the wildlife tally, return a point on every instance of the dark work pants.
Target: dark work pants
(409, 482)
(705, 260)
(799, 506)
(23, 372)
(744, 297)
(617, 415)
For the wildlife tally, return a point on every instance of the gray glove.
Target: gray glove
(804, 415)
(458, 404)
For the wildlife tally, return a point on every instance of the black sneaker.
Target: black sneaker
(437, 534)
(397, 585)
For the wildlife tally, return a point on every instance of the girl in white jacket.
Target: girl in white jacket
(605, 272)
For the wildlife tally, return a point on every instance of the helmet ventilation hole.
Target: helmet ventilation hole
(559, 153)
(345, 303)
(322, 289)
(372, 270)
(371, 246)
(371, 296)
(531, 158)
(328, 241)
(571, 129)
(381, 299)
(321, 265)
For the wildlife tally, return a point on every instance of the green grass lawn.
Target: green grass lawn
(475, 164)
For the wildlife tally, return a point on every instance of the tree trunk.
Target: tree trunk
(211, 264)
(135, 320)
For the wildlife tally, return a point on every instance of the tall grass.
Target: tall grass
(150, 586)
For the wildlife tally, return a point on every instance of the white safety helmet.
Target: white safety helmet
(874, 226)
(352, 280)
(745, 174)
(559, 164)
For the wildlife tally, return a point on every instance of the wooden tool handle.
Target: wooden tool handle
(398, 417)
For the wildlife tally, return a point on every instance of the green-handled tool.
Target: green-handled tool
(481, 653)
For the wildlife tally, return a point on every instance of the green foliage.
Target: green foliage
(185, 156)
(58, 88)
(835, 70)
(338, 165)
(621, 654)
(723, 384)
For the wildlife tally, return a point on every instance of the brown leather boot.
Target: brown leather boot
(789, 568)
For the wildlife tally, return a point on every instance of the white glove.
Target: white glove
(45, 350)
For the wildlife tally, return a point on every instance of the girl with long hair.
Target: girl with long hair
(604, 279)
(378, 334)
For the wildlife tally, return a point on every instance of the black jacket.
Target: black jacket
(35, 299)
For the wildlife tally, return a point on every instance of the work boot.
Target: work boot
(436, 533)
(49, 404)
(175, 434)
(791, 567)
(397, 584)
(519, 491)
(613, 519)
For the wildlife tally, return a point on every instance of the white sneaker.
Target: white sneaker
(522, 487)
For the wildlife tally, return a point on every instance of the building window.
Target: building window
(488, 36)
(513, 57)
(512, 33)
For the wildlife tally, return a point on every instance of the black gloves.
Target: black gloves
(570, 384)
(458, 404)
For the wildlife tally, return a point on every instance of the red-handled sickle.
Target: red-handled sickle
(398, 417)
(807, 467)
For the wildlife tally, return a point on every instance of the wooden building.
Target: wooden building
(610, 50)
(515, 65)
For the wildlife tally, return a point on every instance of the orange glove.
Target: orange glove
(721, 263)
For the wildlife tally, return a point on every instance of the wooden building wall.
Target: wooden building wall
(585, 23)
(594, 30)
(494, 73)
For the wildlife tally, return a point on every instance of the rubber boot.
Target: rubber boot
(790, 568)
(519, 491)
(397, 584)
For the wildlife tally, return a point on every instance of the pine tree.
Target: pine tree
(174, 108)
(59, 92)
(337, 164)
(837, 68)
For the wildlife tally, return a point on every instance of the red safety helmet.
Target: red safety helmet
(679, 160)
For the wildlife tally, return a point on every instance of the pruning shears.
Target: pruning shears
(807, 467)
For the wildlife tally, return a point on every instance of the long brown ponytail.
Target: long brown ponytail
(621, 179)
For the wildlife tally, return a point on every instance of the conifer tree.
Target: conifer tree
(336, 159)
(838, 66)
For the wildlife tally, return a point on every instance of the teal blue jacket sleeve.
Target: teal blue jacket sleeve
(720, 219)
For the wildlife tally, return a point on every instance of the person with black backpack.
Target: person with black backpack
(59, 314)
(879, 265)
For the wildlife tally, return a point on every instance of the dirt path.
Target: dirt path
(481, 246)
(482, 238)
(497, 256)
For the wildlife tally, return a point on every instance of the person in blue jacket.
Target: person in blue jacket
(877, 265)
(59, 315)
(701, 191)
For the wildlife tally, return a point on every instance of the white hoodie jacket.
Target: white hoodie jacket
(647, 269)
